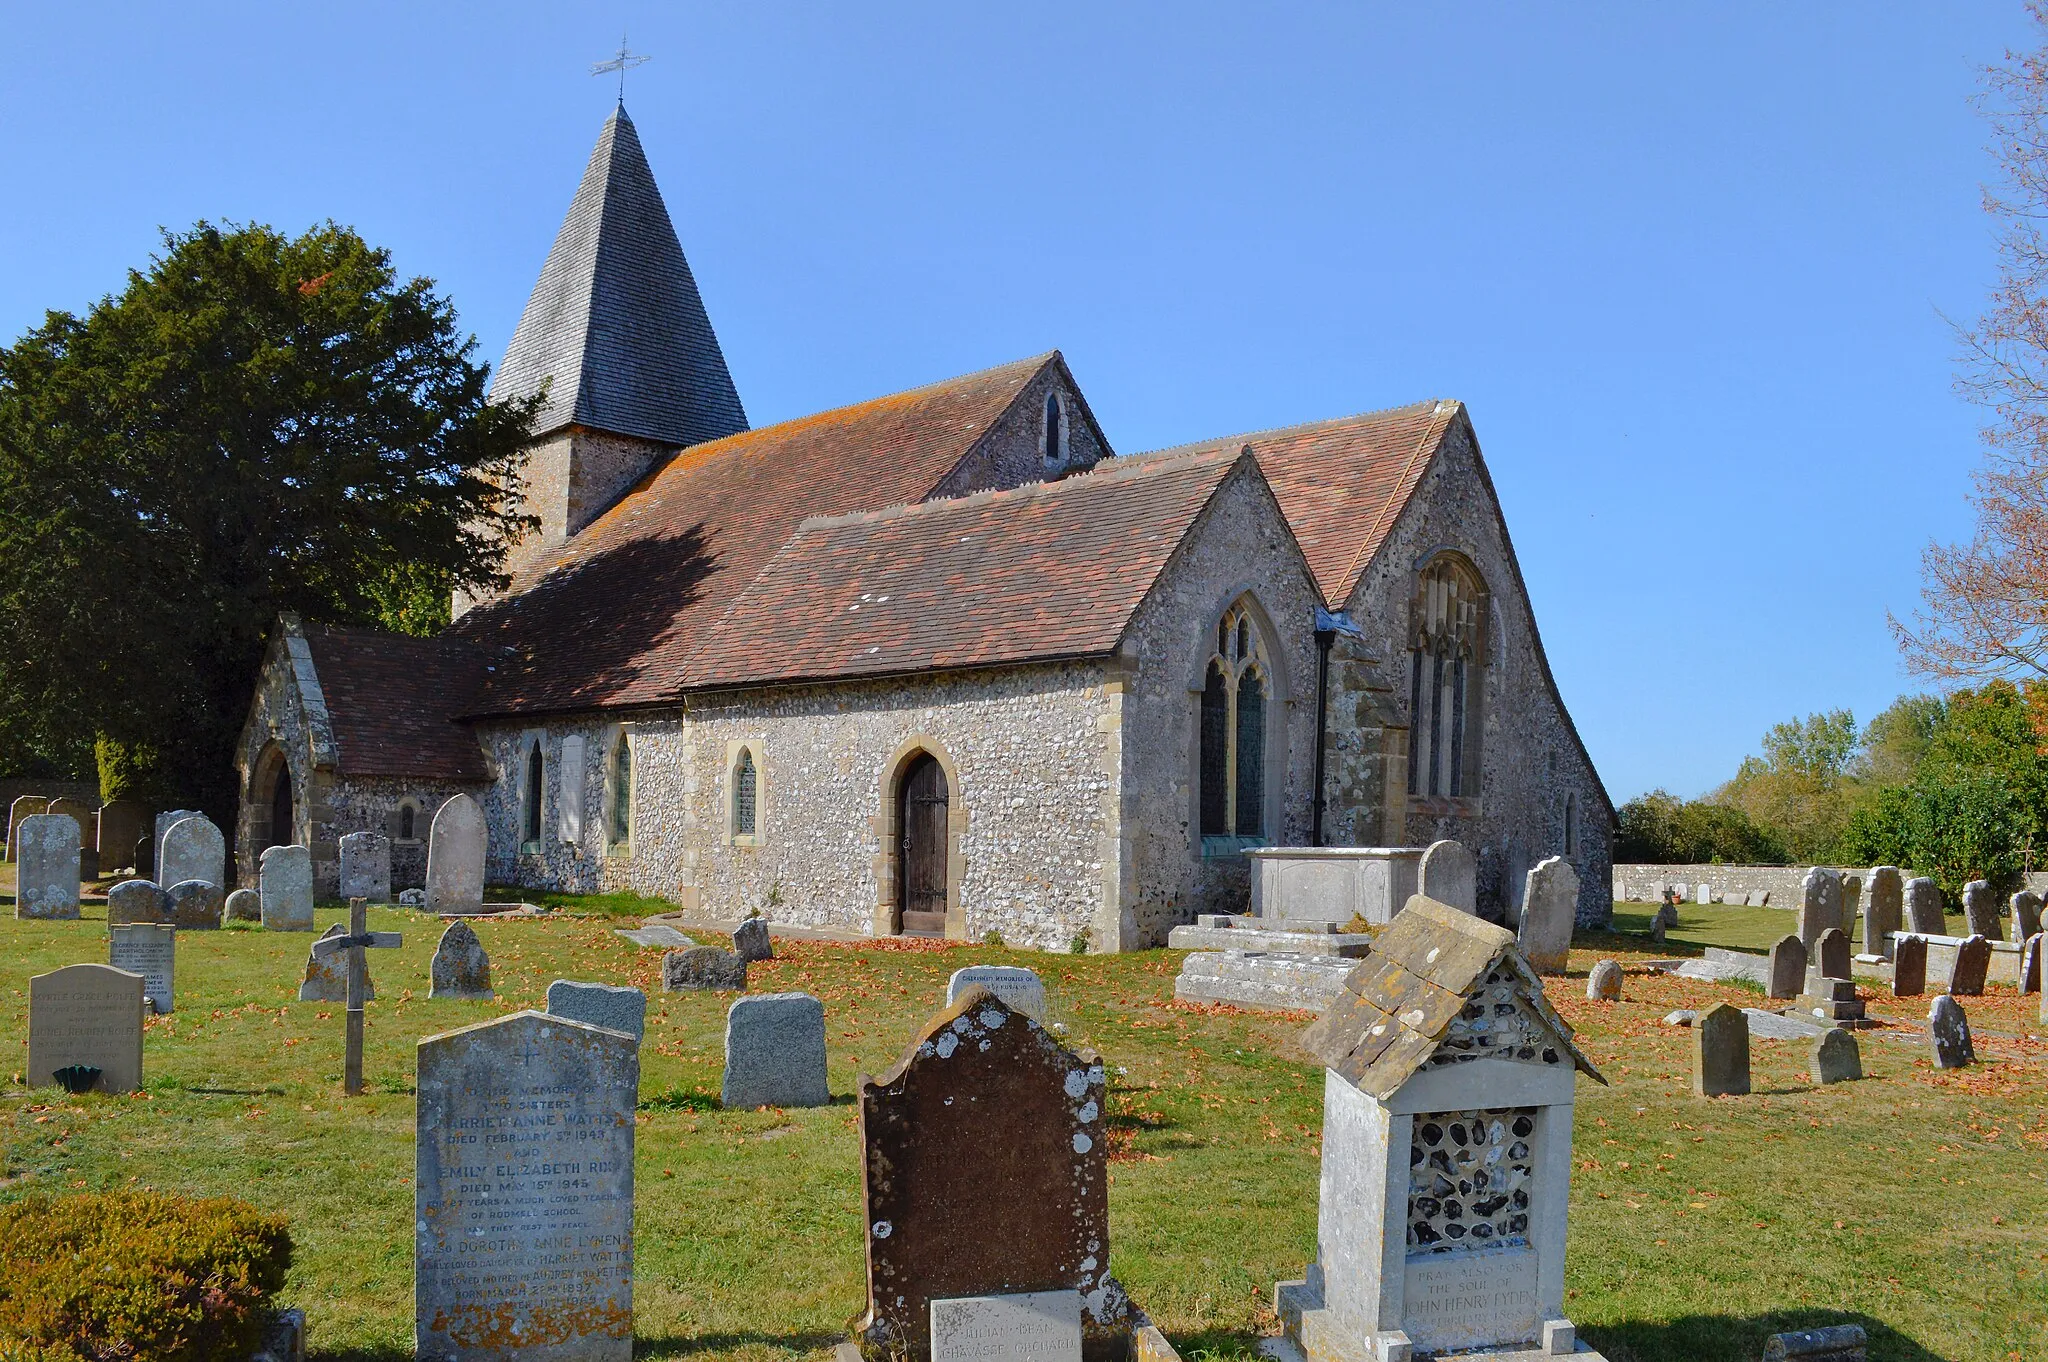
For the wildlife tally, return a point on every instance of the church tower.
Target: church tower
(617, 337)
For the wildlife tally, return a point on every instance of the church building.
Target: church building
(942, 662)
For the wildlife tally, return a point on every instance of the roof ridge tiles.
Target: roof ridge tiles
(1437, 404)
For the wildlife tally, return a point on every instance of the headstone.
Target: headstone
(195, 905)
(245, 905)
(1951, 1032)
(1550, 905)
(169, 819)
(2030, 965)
(750, 941)
(1835, 1057)
(1972, 963)
(412, 898)
(145, 856)
(655, 935)
(1604, 983)
(1832, 954)
(1023, 1326)
(117, 828)
(455, 858)
(1704, 893)
(80, 812)
(1909, 966)
(1852, 900)
(286, 876)
(327, 970)
(86, 1014)
(151, 951)
(702, 967)
(1449, 874)
(193, 850)
(137, 901)
(775, 1052)
(461, 970)
(1980, 910)
(26, 806)
(1021, 988)
(1788, 967)
(366, 867)
(1820, 904)
(46, 874)
(2026, 915)
(1720, 1052)
(986, 1121)
(523, 1192)
(1924, 908)
(607, 1005)
(1831, 1343)
(1882, 910)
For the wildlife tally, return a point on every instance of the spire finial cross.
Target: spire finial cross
(622, 61)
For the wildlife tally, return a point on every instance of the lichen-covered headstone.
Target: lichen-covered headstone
(702, 967)
(326, 978)
(137, 901)
(1720, 1052)
(25, 806)
(1953, 1048)
(608, 1005)
(523, 1227)
(86, 1015)
(750, 942)
(1550, 903)
(150, 950)
(195, 905)
(1021, 988)
(46, 881)
(286, 877)
(169, 819)
(1820, 904)
(1909, 966)
(1835, 1057)
(775, 1052)
(1924, 915)
(1882, 910)
(244, 905)
(2030, 964)
(984, 1174)
(1831, 954)
(366, 867)
(1788, 967)
(1604, 983)
(461, 970)
(1449, 874)
(193, 850)
(1852, 899)
(2026, 915)
(455, 858)
(1968, 970)
(1980, 910)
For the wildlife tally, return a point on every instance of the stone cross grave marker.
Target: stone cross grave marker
(1550, 904)
(1820, 904)
(1449, 874)
(1835, 1057)
(775, 1052)
(1881, 912)
(366, 867)
(1909, 967)
(1030, 1326)
(460, 969)
(150, 950)
(1972, 963)
(1021, 988)
(1980, 910)
(1950, 1029)
(46, 882)
(1720, 1052)
(24, 807)
(2026, 915)
(193, 850)
(1924, 908)
(525, 1151)
(455, 858)
(86, 1014)
(359, 936)
(611, 1006)
(137, 901)
(1788, 967)
(285, 877)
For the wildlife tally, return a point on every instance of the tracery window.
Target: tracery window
(745, 795)
(619, 823)
(536, 786)
(1235, 692)
(1446, 677)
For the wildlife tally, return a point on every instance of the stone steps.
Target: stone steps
(1271, 980)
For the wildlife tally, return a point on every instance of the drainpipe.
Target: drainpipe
(1329, 624)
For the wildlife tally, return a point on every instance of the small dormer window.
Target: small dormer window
(1055, 430)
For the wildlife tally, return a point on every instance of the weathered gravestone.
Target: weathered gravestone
(2030, 965)
(523, 1192)
(2026, 915)
(150, 950)
(169, 819)
(1924, 915)
(1881, 912)
(1550, 903)
(244, 905)
(1704, 894)
(1909, 966)
(145, 856)
(1604, 983)
(366, 867)
(702, 967)
(986, 1121)
(750, 941)
(1831, 955)
(455, 858)
(1835, 1057)
(1448, 1088)
(193, 850)
(1788, 967)
(46, 879)
(1980, 910)
(80, 812)
(1029, 1326)
(137, 901)
(1820, 904)
(461, 970)
(26, 806)
(1720, 1052)
(775, 1052)
(286, 879)
(1972, 963)
(1852, 900)
(117, 827)
(1449, 874)
(326, 978)
(195, 904)
(607, 1005)
(86, 1015)
(1021, 988)
(1950, 1030)
(1831, 1343)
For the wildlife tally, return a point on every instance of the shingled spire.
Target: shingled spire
(615, 328)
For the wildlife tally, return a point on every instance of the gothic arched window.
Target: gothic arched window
(407, 826)
(1235, 694)
(1055, 432)
(746, 795)
(536, 786)
(620, 822)
(1446, 671)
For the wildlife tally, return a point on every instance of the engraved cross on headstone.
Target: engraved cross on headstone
(359, 936)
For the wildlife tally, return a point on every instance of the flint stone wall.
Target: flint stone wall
(1637, 883)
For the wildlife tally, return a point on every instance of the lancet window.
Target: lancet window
(1446, 677)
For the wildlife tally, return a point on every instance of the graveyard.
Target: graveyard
(1697, 1227)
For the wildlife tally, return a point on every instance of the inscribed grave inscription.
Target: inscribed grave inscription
(150, 951)
(1029, 1326)
(1459, 1299)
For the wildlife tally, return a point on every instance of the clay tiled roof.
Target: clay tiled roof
(1043, 571)
(392, 699)
(614, 616)
(1343, 483)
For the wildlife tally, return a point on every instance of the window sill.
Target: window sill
(619, 851)
(746, 839)
(1229, 848)
(529, 848)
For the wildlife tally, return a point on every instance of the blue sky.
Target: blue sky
(1689, 266)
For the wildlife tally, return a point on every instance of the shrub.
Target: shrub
(1659, 829)
(137, 1275)
(1952, 826)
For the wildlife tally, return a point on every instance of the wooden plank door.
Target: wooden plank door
(921, 851)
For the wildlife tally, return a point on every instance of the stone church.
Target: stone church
(942, 662)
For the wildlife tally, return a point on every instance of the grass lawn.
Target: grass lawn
(1913, 1201)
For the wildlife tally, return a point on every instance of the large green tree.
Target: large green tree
(256, 423)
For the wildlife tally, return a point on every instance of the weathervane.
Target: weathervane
(621, 63)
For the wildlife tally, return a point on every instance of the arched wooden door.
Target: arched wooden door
(281, 828)
(921, 848)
